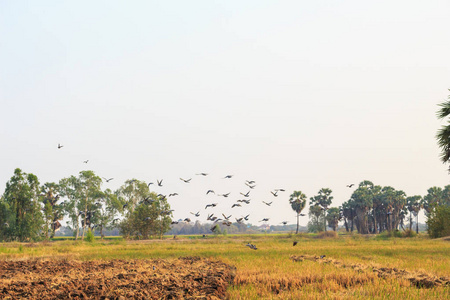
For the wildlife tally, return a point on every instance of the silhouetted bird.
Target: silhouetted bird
(187, 220)
(159, 182)
(322, 256)
(264, 220)
(174, 222)
(280, 190)
(246, 217)
(235, 205)
(295, 243)
(203, 174)
(186, 180)
(284, 222)
(210, 191)
(225, 195)
(125, 205)
(86, 161)
(228, 176)
(251, 246)
(246, 195)
(173, 194)
(197, 214)
(226, 218)
(275, 194)
(350, 185)
(268, 204)
(60, 146)
(150, 183)
(210, 205)
(108, 180)
(250, 181)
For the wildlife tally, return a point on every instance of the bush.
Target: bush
(438, 222)
(409, 233)
(327, 235)
(89, 236)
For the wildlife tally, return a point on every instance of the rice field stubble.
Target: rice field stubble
(354, 267)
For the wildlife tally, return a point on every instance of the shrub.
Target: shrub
(89, 236)
(409, 233)
(439, 221)
(327, 235)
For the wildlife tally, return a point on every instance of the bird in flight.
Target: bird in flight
(246, 195)
(214, 228)
(159, 182)
(108, 180)
(210, 205)
(210, 191)
(203, 174)
(225, 195)
(209, 218)
(284, 222)
(280, 190)
(350, 185)
(197, 214)
(235, 205)
(173, 194)
(302, 215)
(239, 220)
(250, 186)
(174, 222)
(251, 246)
(264, 220)
(275, 194)
(246, 217)
(60, 146)
(187, 220)
(150, 183)
(250, 181)
(226, 218)
(186, 180)
(228, 176)
(268, 204)
(86, 161)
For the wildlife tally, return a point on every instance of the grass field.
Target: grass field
(347, 271)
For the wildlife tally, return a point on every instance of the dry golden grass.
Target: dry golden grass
(270, 273)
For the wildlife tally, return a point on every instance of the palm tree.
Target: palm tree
(443, 135)
(298, 202)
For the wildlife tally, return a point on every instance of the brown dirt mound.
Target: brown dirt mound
(420, 280)
(183, 278)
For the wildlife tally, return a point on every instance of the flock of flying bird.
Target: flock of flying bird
(251, 184)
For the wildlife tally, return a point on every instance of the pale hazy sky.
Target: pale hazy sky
(297, 95)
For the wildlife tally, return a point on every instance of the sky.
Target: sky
(299, 95)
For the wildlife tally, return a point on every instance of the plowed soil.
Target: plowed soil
(418, 279)
(183, 278)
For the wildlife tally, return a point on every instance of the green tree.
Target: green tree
(23, 209)
(413, 205)
(52, 211)
(106, 211)
(323, 199)
(298, 202)
(362, 199)
(89, 191)
(443, 134)
(69, 189)
(438, 222)
(432, 199)
(333, 217)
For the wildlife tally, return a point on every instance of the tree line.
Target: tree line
(371, 208)
(31, 211)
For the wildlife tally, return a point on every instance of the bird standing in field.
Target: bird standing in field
(294, 243)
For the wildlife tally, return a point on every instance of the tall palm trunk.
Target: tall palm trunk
(297, 224)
